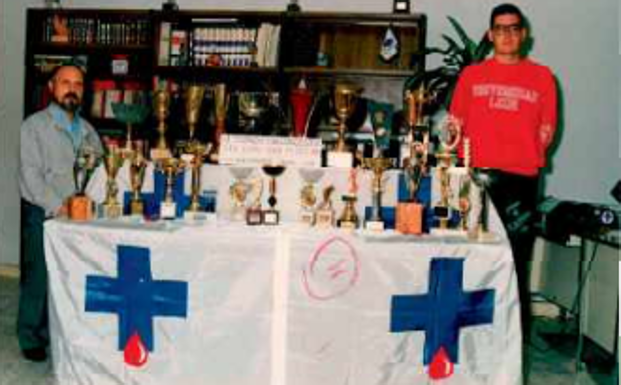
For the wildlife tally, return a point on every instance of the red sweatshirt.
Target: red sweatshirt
(503, 108)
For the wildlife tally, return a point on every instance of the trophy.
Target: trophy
(170, 167)
(409, 219)
(113, 160)
(161, 104)
(345, 96)
(301, 100)
(271, 216)
(239, 191)
(130, 114)
(378, 166)
(464, 204)
(193, 102)
(450, 137)
(254, 213)
(80, 206)
(252, 105)
(324, 217)
(381, 119)
(483, 178)
(308, 198)
(349, 217)
(197, 152)
(137, 168)
(221, 102)
(415, 106)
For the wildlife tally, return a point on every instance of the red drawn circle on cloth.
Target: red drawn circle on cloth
(339, 278)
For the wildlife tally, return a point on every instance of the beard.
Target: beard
(69, 102)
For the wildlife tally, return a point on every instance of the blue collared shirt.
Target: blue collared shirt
(73, 127)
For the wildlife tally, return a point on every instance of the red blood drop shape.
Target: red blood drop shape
(441, 365)
(135, 354)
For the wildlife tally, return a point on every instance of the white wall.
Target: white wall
(578, 39)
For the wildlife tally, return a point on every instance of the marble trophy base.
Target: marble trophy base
(168, 210)
(159, 154)
(347, 224)
(111, 210)
(340, 159)
(307, 217)
(449, 233)
(409, 218)
(271, 217)
(374, 225)
(324, 218)
(254, 216)
(136, 208)
(80, 208)
(198, 216)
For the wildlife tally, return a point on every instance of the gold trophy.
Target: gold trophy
(221, 103)
(137, 168)
(252, 105)
(197, 152)
(113, 160)
(349, 217)
(345, 97)
(271, 216)
(308, 198)
(171, 168)
(239, 192)
(161, 105)
(193, 102)
(464, 204)
(80, 206)
(415, 106)
(325, 215)
(450, 137)
(378, 166)
(254, 213)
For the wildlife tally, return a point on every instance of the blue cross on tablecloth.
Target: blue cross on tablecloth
(135, 296)
(444, 310)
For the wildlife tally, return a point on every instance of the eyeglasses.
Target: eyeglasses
(510, 29)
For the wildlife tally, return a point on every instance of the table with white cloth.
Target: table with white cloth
(225, 303)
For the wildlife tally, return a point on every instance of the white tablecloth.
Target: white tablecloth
(223, 303)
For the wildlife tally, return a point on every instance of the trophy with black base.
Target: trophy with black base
(80, 206)
(325, 215)
(271, 216)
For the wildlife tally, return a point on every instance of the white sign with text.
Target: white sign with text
(254, 150)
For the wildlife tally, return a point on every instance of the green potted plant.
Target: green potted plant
(457, 55)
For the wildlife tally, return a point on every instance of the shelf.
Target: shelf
(321, 71)
(69, 48)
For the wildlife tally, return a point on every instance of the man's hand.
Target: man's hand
(63, 211)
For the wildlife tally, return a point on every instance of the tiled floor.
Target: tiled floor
(551, 362)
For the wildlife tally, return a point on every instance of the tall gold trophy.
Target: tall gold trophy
(193, 102)
(137, 168)
(113, 160)
(194, 149)
(345, 97)
(161, 105)
(221, 103)
(378, 166)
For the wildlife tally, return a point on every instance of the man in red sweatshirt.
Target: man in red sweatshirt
(507, 105)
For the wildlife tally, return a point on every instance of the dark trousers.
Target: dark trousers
(32, 321)
(515, 198)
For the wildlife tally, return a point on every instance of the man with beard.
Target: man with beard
(50, 141)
